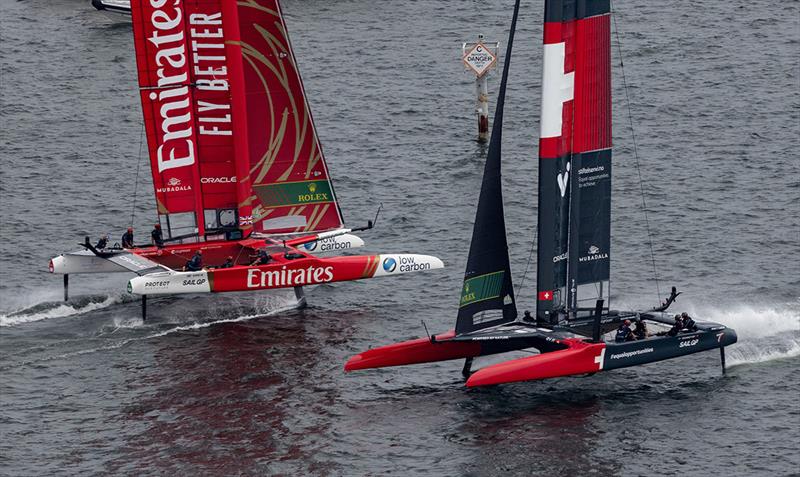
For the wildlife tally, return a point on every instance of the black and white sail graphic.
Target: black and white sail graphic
(487, 296)
(573, 246)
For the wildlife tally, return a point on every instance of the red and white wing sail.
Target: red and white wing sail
(230, 135)
(292, 191)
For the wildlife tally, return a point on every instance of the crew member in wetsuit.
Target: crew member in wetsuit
(196, 262)
(127, 238)
(640, 329)
(157, 236)
(624, 332)
(527, 316)
(228, 262)
(677, 327)
(262, 258)
(102, 243)
(688, 322)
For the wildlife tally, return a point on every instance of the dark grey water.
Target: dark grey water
(240, 385)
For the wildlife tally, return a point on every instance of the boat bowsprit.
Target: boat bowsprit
(573, 320)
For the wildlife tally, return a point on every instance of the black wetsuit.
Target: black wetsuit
(623, 334)
(263, 258)
(195, 264)
(640, 330)
(158, 237)
(102, 243)
(689, 324)
(676, 328)
(127, 240)
(227, 264)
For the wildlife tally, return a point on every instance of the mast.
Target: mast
(487, 295)
(574, 232)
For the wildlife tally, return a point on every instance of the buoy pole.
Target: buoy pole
(482, 86)
(481, 57)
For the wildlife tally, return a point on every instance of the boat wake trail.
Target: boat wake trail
(56, 309)
(765, 334)
(145, 332)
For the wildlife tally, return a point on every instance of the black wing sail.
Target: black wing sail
(487, 296)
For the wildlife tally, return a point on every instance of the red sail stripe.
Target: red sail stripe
(592, 129)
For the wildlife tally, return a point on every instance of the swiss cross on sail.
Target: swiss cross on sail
(231, 140)
(574, 234)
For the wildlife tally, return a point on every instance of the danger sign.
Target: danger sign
(479, 59)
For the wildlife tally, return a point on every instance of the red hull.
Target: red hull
(580, 358)
(417, 351)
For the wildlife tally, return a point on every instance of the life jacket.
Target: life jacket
(689, 324)
(127, 240)
(195, 264)
(158, 237)
(622, 333)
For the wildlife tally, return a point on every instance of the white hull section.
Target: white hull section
(83, 262)
(400, 263)
(170, 283)
(339, 243)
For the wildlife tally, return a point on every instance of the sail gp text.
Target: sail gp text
(171, 64)
(288, 278)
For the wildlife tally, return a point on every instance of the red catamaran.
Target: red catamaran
(236, 162)
(574, 236)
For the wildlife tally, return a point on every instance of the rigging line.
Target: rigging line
(530, 255)
(138, 166)
(635, 151)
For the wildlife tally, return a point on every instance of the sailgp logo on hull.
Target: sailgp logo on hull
(563, 181)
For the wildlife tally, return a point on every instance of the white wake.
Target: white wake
(765, 333)
(49, 310)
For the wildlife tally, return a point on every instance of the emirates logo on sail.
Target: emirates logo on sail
(171, 101)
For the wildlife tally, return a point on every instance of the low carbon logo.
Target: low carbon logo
(389, 264)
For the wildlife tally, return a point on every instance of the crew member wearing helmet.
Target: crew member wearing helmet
(157, 236)
(102, 243)
(688, 322)
(228, 262)
(127, 238)
(262, 258)
(640, 329)
(196, 262)
(677, 327)
(624, 332)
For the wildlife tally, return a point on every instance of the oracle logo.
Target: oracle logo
(218, 180)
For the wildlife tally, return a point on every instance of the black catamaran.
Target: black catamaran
(574, 235)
